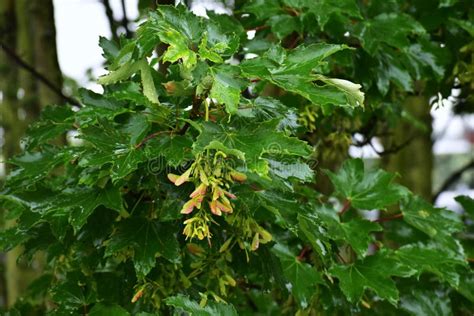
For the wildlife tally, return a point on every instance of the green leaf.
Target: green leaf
(253, 141)
(447, 3)
(294, 72)
(437, 223)
(71, 294)
(83, 201)
(284, 25)
(108, 310)
(390, 28)
(35, 166)
(432, 258)
(184, 304)
(137, 127)
(312, 227)
(226, 90)
(178, 48)
(366, 190)
(148, 239)
(286, 170)
(303, 278)
(467, 203)
(109, 48)
(55, 121)
(176, 149)
(426, 302)
(356, 232)
(466, 284)
(148, 84)
(374, 273)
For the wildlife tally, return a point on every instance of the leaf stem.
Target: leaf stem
(345, 207)
(390, 218)
(303, 253)
(144, 140)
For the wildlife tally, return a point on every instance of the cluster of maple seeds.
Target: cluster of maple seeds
(211, 186)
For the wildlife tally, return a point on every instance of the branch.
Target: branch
(153, 135)
(393, 149)
(194, 113)
(387, 219)
(17, 59)
(110, 17)
(452, 179)
(125, 20)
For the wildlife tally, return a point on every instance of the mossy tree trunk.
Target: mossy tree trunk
(414, 161)
(27, 28)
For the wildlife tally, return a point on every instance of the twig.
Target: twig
(387, 219)
(153, 135)
(452, 179)
(110, 18)
(11, 53)
(258, 28)
(194, 113)
(125, 20)
(392, 149)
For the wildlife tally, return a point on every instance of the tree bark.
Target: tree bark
(414, 162)
(8, 121)
(46, 57)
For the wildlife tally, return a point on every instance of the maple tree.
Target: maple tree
(190, 187)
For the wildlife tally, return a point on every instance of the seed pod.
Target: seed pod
(232, 196)
(188, 207)
(255, 242)
(225, 245)
(214, 209)
(173, 177)
(199, 191)
(203, 177)
(137, 295)
(183, 178)
(224, 208)
(266, 236)
(238, 176)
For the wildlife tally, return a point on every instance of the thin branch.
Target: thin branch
(17, 59)
(125, 20)
(387, 219)
(194, 113)
(452, 179)
(153, 135)
(110, 18)
(393, 149)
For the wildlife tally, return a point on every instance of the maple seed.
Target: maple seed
(238, 176)
(188, 206)
(200, 190)
(214, 209)
(173, 177)
(137, 295)
(183, 178)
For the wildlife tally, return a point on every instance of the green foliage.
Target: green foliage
(190, 185)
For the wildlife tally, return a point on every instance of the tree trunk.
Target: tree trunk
(415, 161)
(46, 57)
(8, 120)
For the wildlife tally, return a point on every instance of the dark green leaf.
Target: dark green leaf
(148, 239)
(184, 304)
(366, 190)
